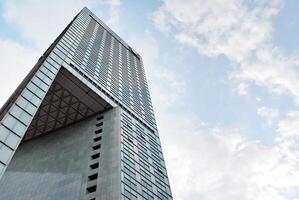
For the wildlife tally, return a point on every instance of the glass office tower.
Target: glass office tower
(81, 124)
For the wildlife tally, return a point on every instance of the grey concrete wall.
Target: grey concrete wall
(56, 166)
(109, 175)
(52, 166)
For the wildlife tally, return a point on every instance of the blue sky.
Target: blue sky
(223, 76)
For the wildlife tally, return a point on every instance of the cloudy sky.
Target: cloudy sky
(223, 76)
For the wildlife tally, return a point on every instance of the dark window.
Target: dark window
(91, 189)
(98, 131)
(97, 139)
(99, 124)
(95, 156)
(129, 126)
(92, 177)
(94, 166)
(96, 147)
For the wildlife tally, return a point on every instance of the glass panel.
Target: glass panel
(42, 85)
(26, 105)
(9, 121)
(30, 108)
(33, 88)
(25, 118)
(21, 102)
(19, 128)
(12, 140)
(40, 93)
(31, 97)
(16, 111)
(43, 77)
(35, 100)
(20, 114)
(50, 67)
(47, 72)
(52, 62)
(56, 58)
(59, 53)
(4, 132)
(36, 80)
(5, 153)
(27, 94)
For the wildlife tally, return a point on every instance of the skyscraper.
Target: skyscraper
(81, 124)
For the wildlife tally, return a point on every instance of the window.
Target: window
(129, 193)
(94, 166)
(20, 114)
(145, 174)
(161, 195)
(96, 147)
(12, 140)
(130, 183)
(23, 103)
(92, 177)
(129, 126)
(36, 90)
(91, 189)
(97, 139)
(99, 124)
(95, 156)
(146, 195)
(130, 139)
(129, 171)
(98, 131)
(14, 125)
(31, 97)
(160, 169)
(145, 184)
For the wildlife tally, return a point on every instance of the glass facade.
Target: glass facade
(18, 118)
(100, 54)
(143, 171)
(111, 69)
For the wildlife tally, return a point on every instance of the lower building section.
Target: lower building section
(108, 156)
(80, 161)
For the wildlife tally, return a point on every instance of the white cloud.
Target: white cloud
(215, 27)
(114, 13)
(269, 114)
(243, 89)
(289, 128)
(237, 30)
(272, 69)
(213, 163)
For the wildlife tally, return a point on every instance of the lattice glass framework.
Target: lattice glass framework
(108, 68)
